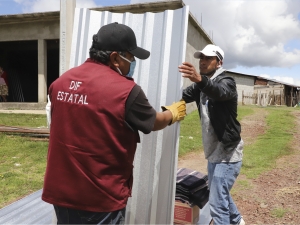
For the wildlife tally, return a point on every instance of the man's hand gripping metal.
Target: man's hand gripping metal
(178, 110)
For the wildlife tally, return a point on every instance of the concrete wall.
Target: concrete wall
(195, 41)
(34, 30)
(243, 83)
(29, 31)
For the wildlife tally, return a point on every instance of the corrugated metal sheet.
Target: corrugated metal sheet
(164, 35)
(29, 210)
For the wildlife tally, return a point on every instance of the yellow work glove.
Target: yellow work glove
(178, 110)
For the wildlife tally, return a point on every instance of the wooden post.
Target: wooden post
(280, 97)
(291, 97)
(265, 99)
(284, 100)
(243, 98)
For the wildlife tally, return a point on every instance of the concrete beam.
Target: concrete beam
(42, 71)
(158, 6)
(29, 18)
(67, 10)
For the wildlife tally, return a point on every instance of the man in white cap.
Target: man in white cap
(216, 97)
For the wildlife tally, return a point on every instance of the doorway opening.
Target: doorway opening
(19, 59)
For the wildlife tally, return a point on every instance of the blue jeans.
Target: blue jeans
(73, 216)
(221, 177)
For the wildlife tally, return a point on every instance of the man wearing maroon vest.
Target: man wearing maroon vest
(96, 112)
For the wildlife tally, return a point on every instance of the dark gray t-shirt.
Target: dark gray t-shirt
(139, 114)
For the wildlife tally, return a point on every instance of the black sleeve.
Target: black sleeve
(139, 114)
(222, 90)
(191, 93)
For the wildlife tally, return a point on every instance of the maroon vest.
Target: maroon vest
(91, 150)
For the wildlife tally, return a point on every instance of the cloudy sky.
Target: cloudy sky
(259, 37)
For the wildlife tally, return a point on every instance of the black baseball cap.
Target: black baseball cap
(118, 37)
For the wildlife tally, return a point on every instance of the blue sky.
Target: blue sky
(24, 6)
(259, 37)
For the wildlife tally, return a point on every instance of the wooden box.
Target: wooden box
(184, 214)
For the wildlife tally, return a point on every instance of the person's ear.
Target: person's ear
(114, 59)
(219, 64)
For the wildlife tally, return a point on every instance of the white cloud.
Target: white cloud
(86, 4)
(288, 80)
(29, 6)
(252, 33)
(265, 75)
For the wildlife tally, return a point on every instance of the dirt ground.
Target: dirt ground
(273, 197)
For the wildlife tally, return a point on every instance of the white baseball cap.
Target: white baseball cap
(211, 50)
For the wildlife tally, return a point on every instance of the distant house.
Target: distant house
(263, 91)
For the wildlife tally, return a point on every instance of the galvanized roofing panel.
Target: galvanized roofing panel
(164, 35)
(29, 210)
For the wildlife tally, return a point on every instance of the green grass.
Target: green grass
(190, 134)
(244, 184)
(23, 120)
(259, 156)
(275, 142)
(279, 212)
(244, 111)
(22, 160)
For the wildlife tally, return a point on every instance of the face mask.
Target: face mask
(131, 69)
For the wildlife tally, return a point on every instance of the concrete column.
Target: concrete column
(42, 70)
(67, 10)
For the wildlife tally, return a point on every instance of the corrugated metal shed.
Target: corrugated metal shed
(265, 78)
(164, 35)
